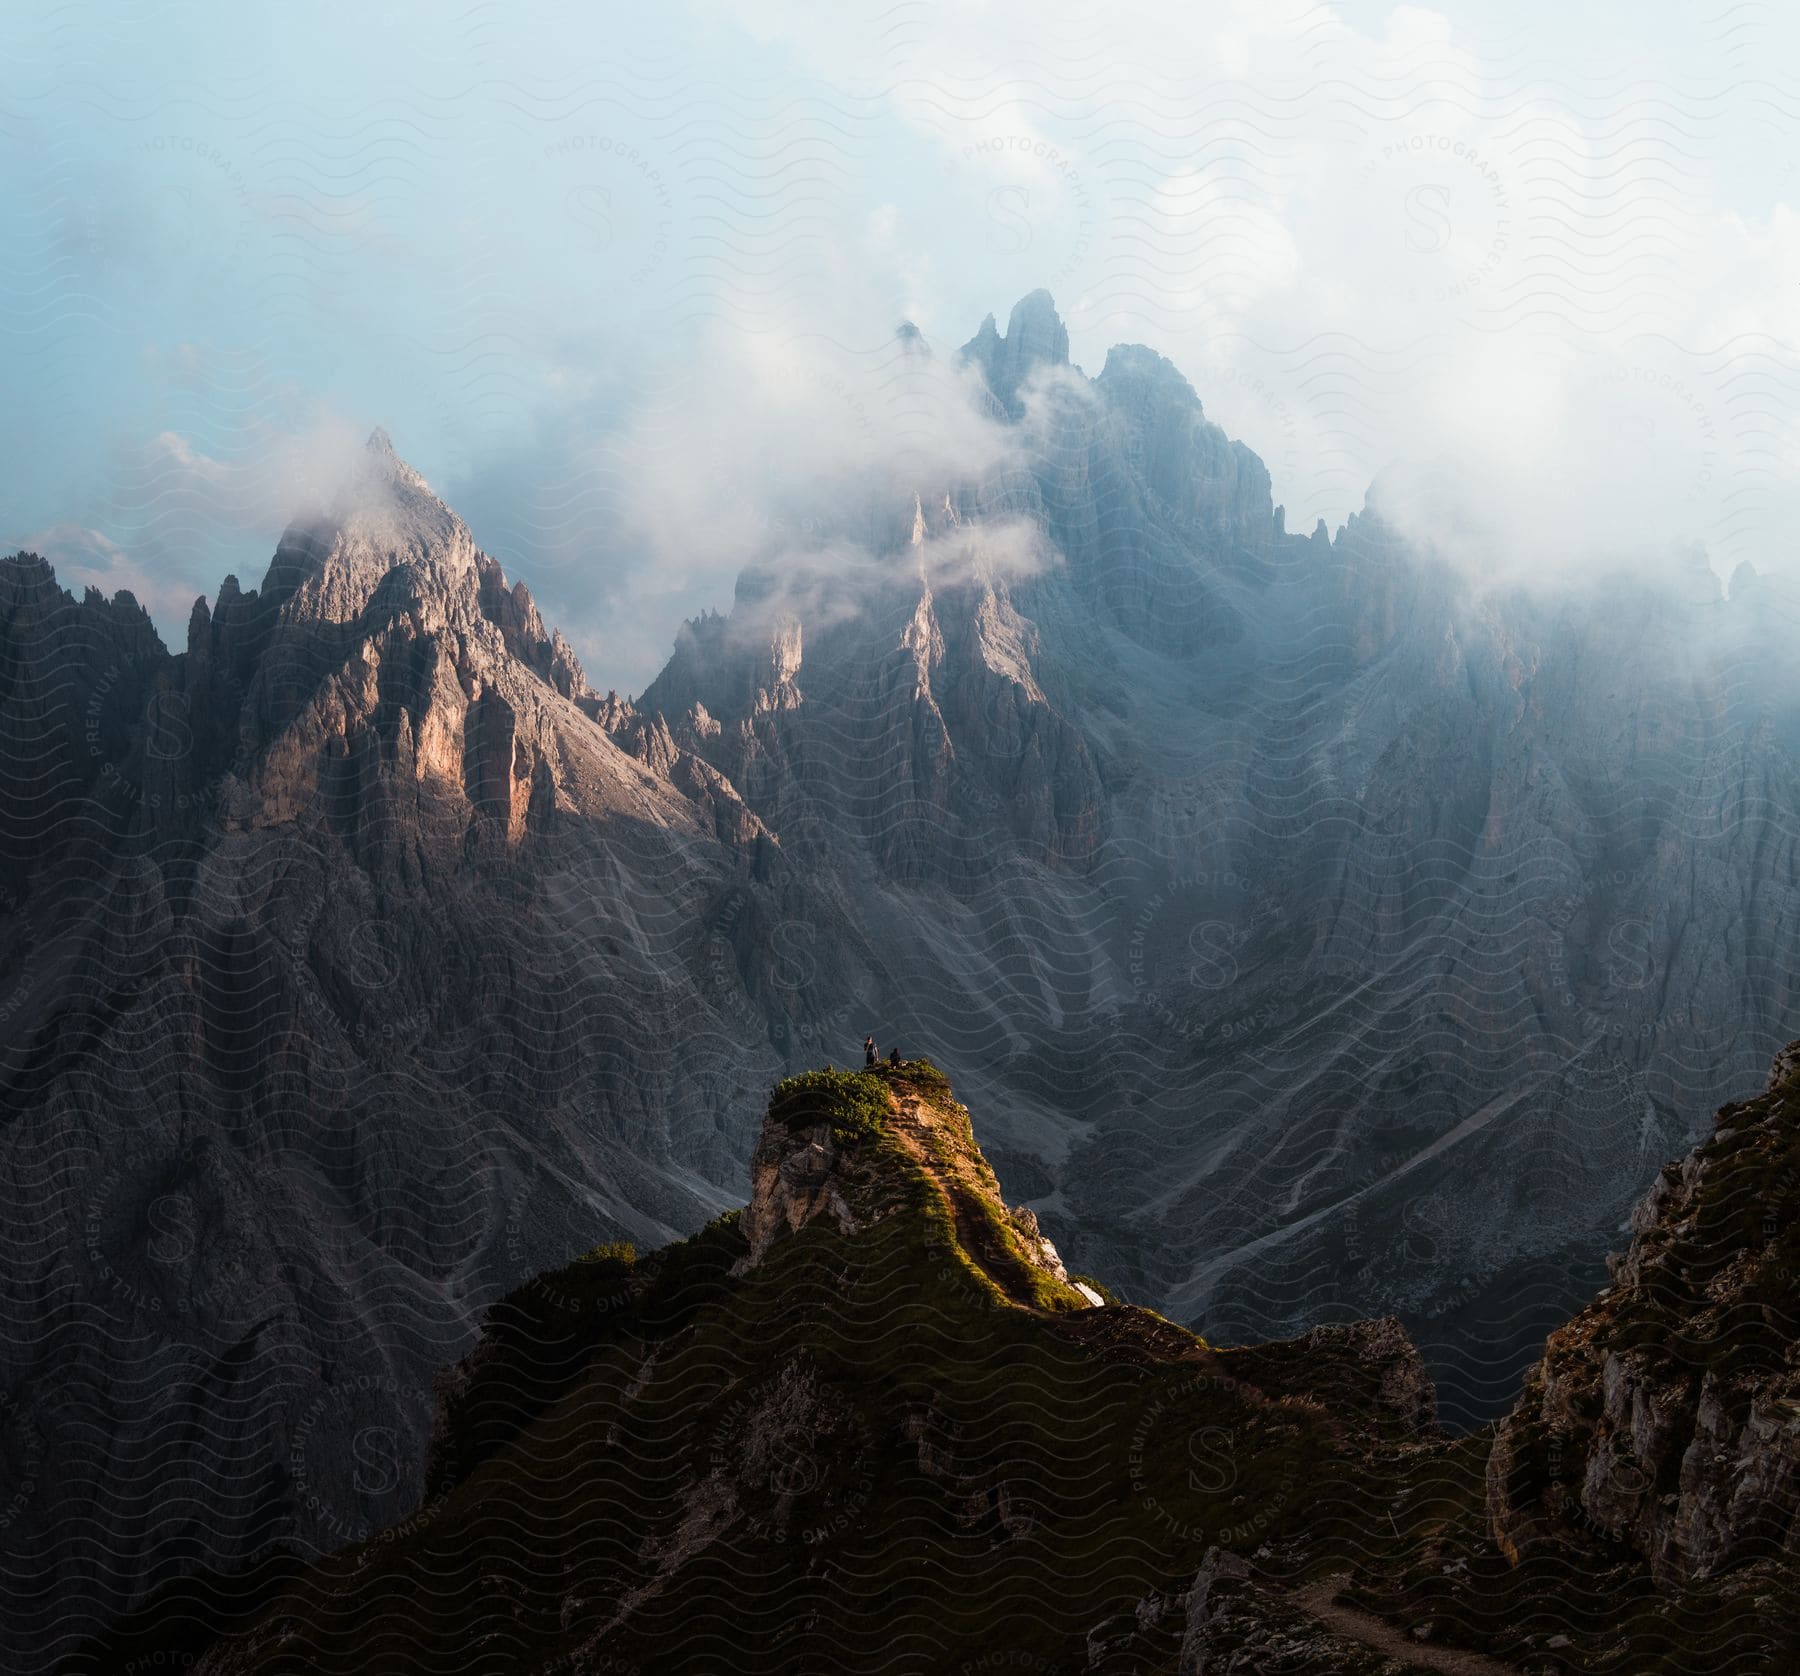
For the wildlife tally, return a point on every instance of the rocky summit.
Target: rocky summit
(867, 1423)
(1323, 935)
(871, 1422)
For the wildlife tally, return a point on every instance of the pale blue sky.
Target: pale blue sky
(551, 247)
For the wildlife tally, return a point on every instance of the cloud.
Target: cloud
(793, 448)
(171, 519)
(1390, 237)
(87, 558)
(836, 579)
(171, 489)
(801, 460)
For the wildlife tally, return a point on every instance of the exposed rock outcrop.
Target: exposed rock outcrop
(1035, 338)
(814, 1162)
(1235, 1626)
(794, 1180)
(1665, 1418)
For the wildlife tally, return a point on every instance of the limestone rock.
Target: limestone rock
(1663, 1415)
(792, 1182)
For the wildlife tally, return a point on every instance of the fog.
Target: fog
(626, 292)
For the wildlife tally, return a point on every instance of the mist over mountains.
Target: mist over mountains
(1321, 931)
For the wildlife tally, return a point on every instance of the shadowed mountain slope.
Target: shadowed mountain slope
(868, 1423)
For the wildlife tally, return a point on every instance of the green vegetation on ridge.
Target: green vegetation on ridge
(897, 1441)
(865, 1452)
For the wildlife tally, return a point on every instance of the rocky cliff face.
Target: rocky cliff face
(1665, 1418)
(814, 1161)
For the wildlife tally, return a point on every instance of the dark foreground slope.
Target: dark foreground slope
(867, 1424)
(870, 1423)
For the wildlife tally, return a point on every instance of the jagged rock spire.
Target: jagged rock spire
(1035, 337)
(383, 516)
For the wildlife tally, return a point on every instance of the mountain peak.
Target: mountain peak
(384, 518)
(1035, 336)
(857, 1146)
(1137, 364)
(382, 463)
(1035, 331)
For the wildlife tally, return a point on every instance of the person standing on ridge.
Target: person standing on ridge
(894, 1057)
(868, 1050)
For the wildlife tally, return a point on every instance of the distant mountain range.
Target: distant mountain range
(1320, 934)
